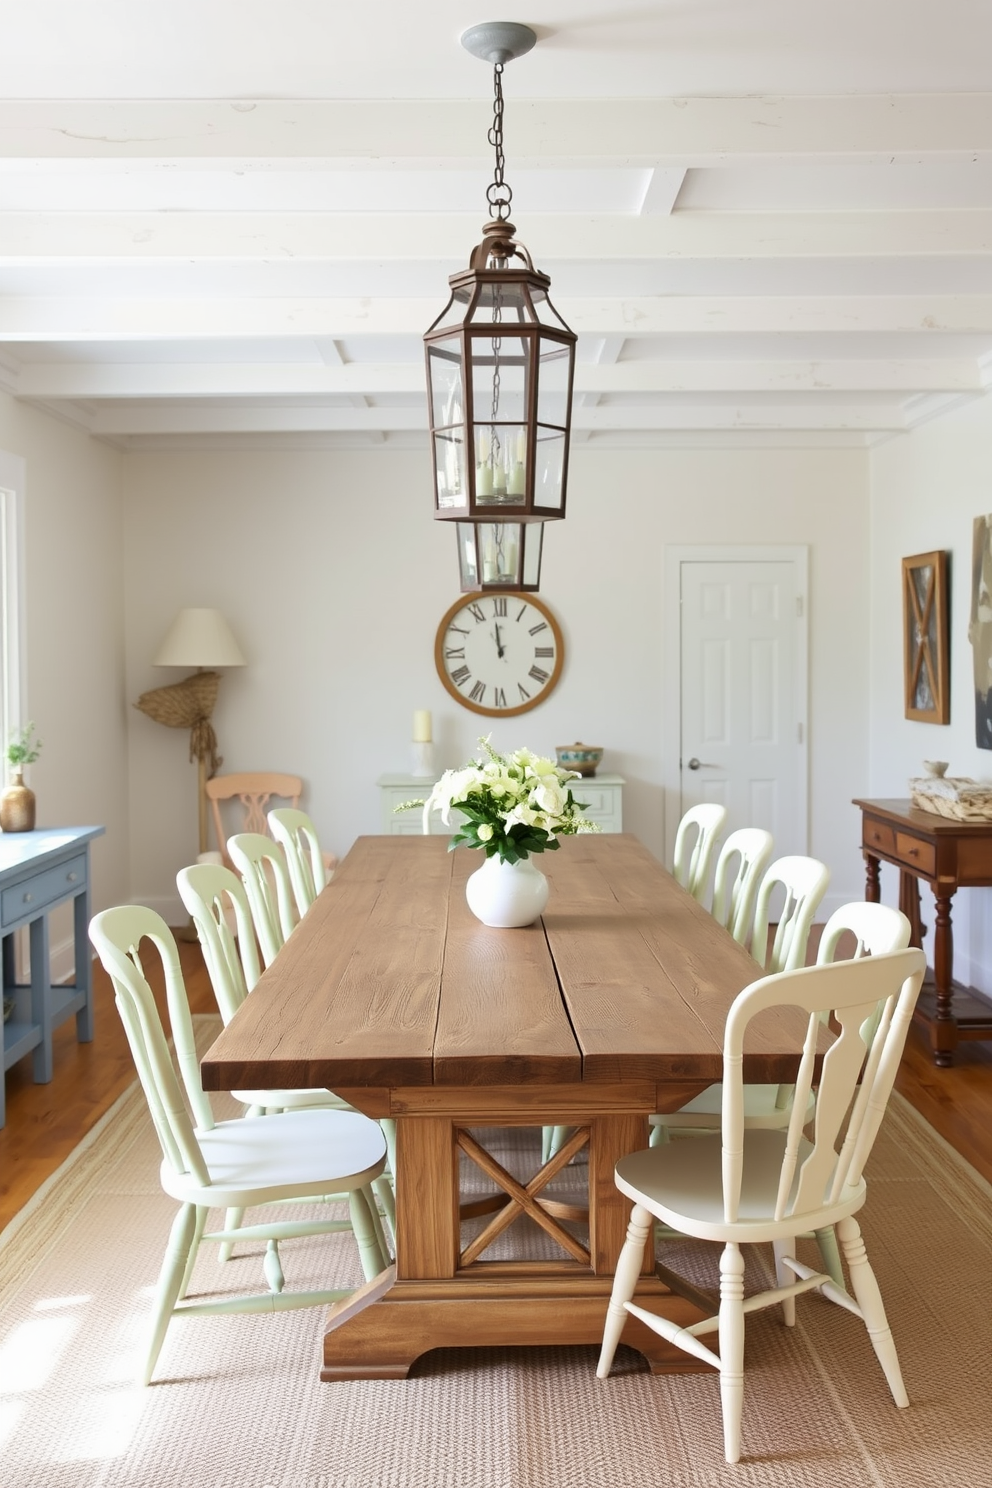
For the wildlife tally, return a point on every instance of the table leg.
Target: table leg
(431, 1299)
(909, 903)
(944, 1034)
(873, 891)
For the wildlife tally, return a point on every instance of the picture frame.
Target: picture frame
(926, 649)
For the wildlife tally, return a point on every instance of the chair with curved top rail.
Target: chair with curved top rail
(695, 844)
(253, 790)
(215, 897)
(297, 836)
(739, 869)
(261, 863)
(299, 1156)
(744, 1185)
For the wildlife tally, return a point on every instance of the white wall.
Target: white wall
(334, 576)
(73, 633)
(927, 488)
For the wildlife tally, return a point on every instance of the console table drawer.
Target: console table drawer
(876, 834)
(32, 895)
(922, 855)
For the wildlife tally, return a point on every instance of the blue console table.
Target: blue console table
(39, 870)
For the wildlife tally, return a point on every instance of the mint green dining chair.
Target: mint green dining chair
(305, 1156)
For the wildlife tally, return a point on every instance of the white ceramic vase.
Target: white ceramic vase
(506, 895)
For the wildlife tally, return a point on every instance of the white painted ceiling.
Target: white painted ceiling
(231, 220)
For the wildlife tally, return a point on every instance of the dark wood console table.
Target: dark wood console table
(948, 855)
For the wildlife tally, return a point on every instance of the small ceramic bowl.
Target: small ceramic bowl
(935, 767)
(583, 758)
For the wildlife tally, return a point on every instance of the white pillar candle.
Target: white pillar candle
(422, 726)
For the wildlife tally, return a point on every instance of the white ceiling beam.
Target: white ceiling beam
(125, 380)
(436, 133)
(52, 238)
(96, 318)
(111, 420)
(661, 191)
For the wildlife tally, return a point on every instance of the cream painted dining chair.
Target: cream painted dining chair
(298, 1157)
(262, 866)
(695, 845)
(297, 836)
(739, 870)
(874, 929)
(803, 883)
(753, 1186)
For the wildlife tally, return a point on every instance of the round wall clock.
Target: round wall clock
(499, 653)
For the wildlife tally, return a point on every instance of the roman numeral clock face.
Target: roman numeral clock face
(499, 653)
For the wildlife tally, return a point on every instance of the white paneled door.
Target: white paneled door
(743, 707)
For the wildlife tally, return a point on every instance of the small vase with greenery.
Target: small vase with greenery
(22, 747)
(17, 803)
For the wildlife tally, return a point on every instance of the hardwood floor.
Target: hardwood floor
(44, 1122)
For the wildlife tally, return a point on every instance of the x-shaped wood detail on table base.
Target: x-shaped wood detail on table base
(523, 1199)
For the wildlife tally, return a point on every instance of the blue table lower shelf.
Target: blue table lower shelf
(38, 871)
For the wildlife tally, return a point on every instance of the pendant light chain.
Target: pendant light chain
(499, 196)
(498, 193)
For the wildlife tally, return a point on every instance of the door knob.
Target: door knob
(695, 764)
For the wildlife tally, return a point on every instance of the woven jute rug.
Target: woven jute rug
(236, 1401)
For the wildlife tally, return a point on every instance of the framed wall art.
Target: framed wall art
(925, 638)
(980, 627)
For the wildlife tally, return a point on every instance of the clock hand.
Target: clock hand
(499, 645)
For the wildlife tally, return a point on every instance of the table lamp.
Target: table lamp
(197, 638)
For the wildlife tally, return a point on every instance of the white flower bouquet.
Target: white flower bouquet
(511, 805)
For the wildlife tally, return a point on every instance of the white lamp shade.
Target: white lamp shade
(200, 638)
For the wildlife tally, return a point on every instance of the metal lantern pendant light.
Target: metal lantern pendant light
(500, 363)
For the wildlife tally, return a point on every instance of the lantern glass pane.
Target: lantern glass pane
(444, 361)
(454, 311)
(533, 533)
(549, 468)
(452, 477)
(545, 311)
(552, 382)
(499, 387)
(503, 303)
(468, 566)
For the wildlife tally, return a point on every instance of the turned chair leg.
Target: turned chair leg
(732, 1348)
(869, 1299)
(624, 1282)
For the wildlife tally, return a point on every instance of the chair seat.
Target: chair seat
(761, 1109)
(294, 1155)
(293, 1100)
(681, 1183)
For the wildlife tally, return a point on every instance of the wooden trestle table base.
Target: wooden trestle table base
(609, 1008)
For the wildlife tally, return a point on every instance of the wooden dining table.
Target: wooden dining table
(608, 1008)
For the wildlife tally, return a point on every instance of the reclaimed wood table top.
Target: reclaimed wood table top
(391, 982)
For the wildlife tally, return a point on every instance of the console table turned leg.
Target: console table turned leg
(944, 1031)
(873, 892)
